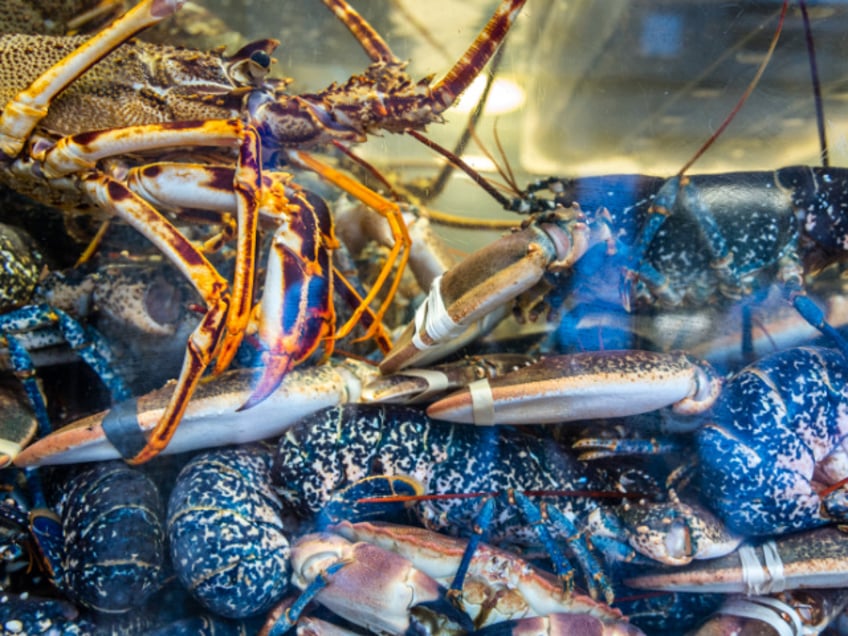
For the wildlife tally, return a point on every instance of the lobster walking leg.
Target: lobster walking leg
(400, 250)
(84, 150)
(22, 114)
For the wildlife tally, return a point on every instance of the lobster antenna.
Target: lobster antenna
(462, 165)
(833, 487)
(510, 176)
(376, 174)
(447, 169)
(751, 86)
(814, 76)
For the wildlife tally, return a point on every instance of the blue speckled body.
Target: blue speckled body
(114, 548)
(339, 446)
(777, 438)
(747, 215)
(228, 544)
(693, 241)
(32, 616)
(327, 455)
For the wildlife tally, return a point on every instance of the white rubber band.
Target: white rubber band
(482, 403)
(767, 610)
(753, 575)
(432, 318)
(774, 565)
(762, 578)
(437, 382)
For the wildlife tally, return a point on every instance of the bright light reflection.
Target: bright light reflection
(505, 96)
(480, 163)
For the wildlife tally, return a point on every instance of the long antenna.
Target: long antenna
(751, 86)
(814, 76)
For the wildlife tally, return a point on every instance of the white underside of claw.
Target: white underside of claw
(212, 418)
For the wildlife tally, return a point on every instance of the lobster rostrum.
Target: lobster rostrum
(74, 124)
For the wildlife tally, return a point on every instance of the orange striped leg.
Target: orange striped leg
(399, 253)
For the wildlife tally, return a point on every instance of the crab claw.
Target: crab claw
(375, 588)
(212, 418)
(499, 586)
(585, 386)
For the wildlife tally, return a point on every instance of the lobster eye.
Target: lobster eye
(261, 58)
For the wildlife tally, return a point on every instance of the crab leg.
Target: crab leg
(585, 386)
(30, 106)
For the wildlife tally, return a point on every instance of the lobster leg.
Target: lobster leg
(296, 313)
(210, 285)
(23, 113)
(538, 517)
(82, 151)
(399, 253)
(38, 316)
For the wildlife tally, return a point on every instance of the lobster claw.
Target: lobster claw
(296, 312)
(585, 386)
(812, 559)
(486, 282)
(413, 386)
(212, 418)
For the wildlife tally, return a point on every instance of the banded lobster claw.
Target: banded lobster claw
(413, 386)
(584, 386)
(812, 559)
(479, 289)
(213, 416)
